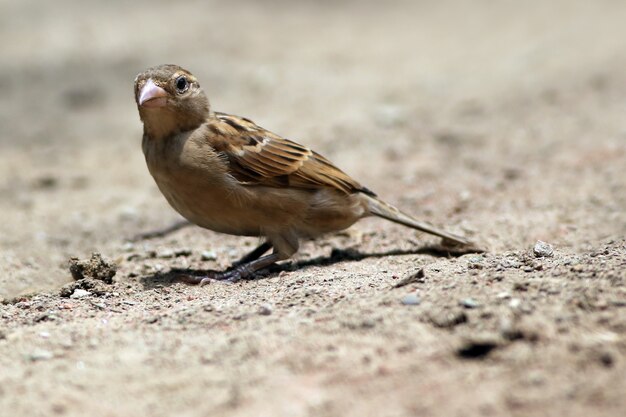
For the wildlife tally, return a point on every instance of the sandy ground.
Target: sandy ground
(505, 121)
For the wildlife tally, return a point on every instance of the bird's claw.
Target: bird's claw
(225, 277)
(205, 281)
(228, 277)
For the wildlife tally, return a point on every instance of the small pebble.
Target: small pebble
(128, 246)
(509, 330)
(543, 249)
(166, 254)
(475, 262)
(536, 378)
(469, 303)
(128, 213)
(80, 293)
(208, 255)
(411, 300)
(265, 310)
(40, 355)
(368, 324)
(66, 343)
(445, 318)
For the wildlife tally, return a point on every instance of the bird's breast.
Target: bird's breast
(193, 182)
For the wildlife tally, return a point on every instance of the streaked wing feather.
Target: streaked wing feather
(257, 156)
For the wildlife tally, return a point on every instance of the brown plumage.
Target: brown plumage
(227, 174)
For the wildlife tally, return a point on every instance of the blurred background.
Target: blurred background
(503, 117)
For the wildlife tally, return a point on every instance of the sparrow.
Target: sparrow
(227, 174)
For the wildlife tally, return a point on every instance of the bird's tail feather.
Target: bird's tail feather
(387, 211)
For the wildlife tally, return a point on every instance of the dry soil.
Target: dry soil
(505, 121)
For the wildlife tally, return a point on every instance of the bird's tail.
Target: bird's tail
(386, 211)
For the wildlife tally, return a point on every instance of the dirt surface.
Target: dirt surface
(505, 121)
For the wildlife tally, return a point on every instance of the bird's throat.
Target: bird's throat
(158, 123)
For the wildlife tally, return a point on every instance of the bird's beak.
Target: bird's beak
(152, 95)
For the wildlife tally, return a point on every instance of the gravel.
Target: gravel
(80, 293)
(411, 300)
(96, 268)
(543, 249)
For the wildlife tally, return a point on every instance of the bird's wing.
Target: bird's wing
(258, 157)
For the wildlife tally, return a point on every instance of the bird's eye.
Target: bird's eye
(182, 84)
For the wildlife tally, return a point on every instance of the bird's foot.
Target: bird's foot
(236, 273)
(228, 277)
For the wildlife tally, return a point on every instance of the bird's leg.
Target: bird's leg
(242, 271)
(254, 255)
(161, 232)
(284, 244)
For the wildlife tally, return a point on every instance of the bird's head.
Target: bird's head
(170, 100)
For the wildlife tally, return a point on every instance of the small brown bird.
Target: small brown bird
(227, 174)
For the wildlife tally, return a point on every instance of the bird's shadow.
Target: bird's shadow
(176, 275)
